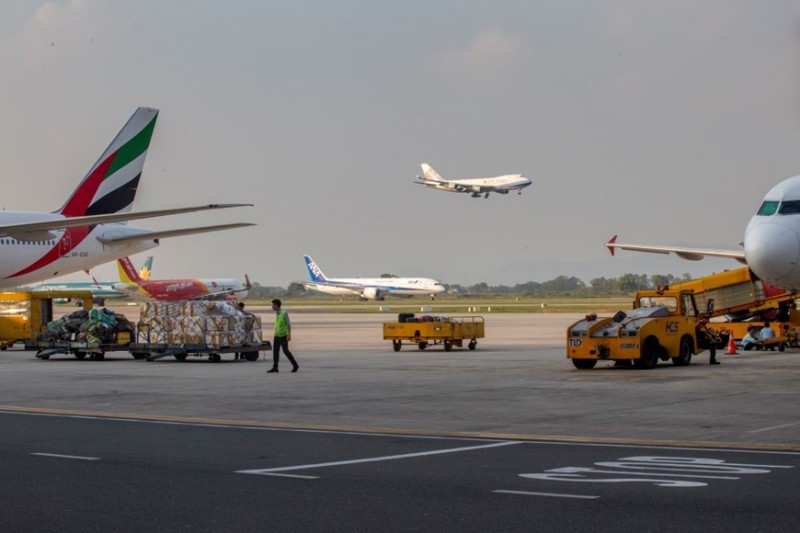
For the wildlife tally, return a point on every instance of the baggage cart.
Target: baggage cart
(153, 352)
(425, 331)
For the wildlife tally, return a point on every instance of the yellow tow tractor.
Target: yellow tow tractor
(25, 314)
(426, 330)
(662, 325)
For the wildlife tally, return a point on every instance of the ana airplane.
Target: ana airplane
(475, 186)
(90, 228)
(771, 239)
(176, 289)
(369, 288)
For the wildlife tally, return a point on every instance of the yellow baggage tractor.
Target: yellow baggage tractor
(427, 329)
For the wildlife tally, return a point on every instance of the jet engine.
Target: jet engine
(371, 293)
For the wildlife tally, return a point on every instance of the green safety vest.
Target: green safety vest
(281, 328)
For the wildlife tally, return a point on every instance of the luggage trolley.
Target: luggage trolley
(427, 330)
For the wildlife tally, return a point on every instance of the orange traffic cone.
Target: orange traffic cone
(731, 345)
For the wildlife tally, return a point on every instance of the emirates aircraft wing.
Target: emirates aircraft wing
(51, 222)
(691, 254)
(153, 235)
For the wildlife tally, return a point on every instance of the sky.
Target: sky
(664, 122)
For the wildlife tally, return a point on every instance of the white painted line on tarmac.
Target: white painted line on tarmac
(548, 494)
(375, 459)
(774, 427)
(59, 456)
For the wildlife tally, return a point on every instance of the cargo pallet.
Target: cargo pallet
(448, 332)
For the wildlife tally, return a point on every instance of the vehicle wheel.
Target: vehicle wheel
(422, 345)
(181, 356)
(584, 364)
(472, 345)
(79, 355)
(782, 347)
(3, 347)
(250, 356)
(649, 356)
(685, 354)
(138, 355)
(396, 345)
(448, 345)
(214, 358)
(99, 356)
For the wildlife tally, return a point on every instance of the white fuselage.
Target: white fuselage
(505, 183)
(371, 288)
(772, 237)
(59, 252)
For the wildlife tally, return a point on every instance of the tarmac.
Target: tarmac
(518, 384)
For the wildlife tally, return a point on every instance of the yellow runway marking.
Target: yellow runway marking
(402, 431)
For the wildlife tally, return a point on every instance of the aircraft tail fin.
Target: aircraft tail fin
(429, 174)
(314, 271)
(110, 185)
(147, 268)
(127, 272)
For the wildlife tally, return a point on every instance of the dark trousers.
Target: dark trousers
(283, 342)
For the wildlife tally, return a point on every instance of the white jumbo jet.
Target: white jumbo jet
(91, 227)
(475, 186)
(369, 288)
(771, 239)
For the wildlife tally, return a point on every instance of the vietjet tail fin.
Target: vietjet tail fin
(147, 267)
(127, 272)
(429, 174)
(110, 185)
(314, 271)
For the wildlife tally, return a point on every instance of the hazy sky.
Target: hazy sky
(663, 121)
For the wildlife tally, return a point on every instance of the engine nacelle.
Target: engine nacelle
(371, 293)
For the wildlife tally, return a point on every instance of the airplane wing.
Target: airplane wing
(152, 235)
(219, 294)
(13, 230)
(691, 254)
(313, 285)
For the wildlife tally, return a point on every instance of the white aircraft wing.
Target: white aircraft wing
(318, 285)
(152, 235)
(692, 254)
(13, 230)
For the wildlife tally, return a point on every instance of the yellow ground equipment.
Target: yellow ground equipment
(662, 325)
(25, 314)
(427, 330)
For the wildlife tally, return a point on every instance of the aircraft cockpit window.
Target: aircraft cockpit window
(789, 207)
(769, 207)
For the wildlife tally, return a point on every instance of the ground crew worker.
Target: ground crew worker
(283, 334)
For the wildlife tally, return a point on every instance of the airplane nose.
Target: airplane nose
(773, 253)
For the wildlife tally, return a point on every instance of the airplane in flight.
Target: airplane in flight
(771, 246)
(134, 286)
(91, 227)
(475, 186)
(369, 288)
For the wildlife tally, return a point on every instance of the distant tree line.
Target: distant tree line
(559, 286)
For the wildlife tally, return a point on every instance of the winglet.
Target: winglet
(247, 284)
(610, 245)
